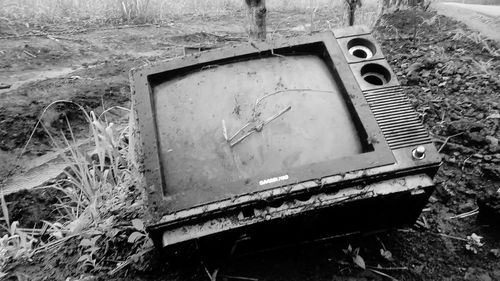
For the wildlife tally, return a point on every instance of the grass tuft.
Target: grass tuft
(100, 206)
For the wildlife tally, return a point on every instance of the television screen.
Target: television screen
(247, 119)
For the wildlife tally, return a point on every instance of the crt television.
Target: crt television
(246, 135)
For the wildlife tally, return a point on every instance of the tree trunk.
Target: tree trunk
(256, 19)
(351, 6)
(350, 15)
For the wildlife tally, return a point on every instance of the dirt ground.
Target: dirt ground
(450, 74)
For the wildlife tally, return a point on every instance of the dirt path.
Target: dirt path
(482, 18)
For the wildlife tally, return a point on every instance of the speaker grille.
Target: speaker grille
(396, 117)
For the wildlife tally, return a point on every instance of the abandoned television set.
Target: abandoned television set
(244, 136)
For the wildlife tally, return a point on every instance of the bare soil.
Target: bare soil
(451, 77)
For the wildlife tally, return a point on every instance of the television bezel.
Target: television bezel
(144, 79)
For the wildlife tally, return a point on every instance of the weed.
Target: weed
(474, 243)
(15, 244)
(99, 208)
(90, 248)
(356, 258)
(139, 233)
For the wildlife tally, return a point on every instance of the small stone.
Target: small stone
(466, 207)
(488, 157)
(494, 148)
(414, 67)
(444, 193)
(495, 252)
(478, 155)
(433, 199)
(477, 138)
(456, 153)
(491, 140)
(497, 156)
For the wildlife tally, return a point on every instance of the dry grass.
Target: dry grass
(151, 11)
(97, 195)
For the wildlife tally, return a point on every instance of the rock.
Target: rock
(469, 206)
(477, 138)
(488, 157)
(478, 155)
(414, 68)
(452, 160)
(493, 144)
(494, 148)
(492, 141)
(444, 192)
(495, 252)
(494, 116)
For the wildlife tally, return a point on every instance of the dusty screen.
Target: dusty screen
(246, 119)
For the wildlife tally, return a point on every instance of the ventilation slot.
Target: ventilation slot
(396, 117)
